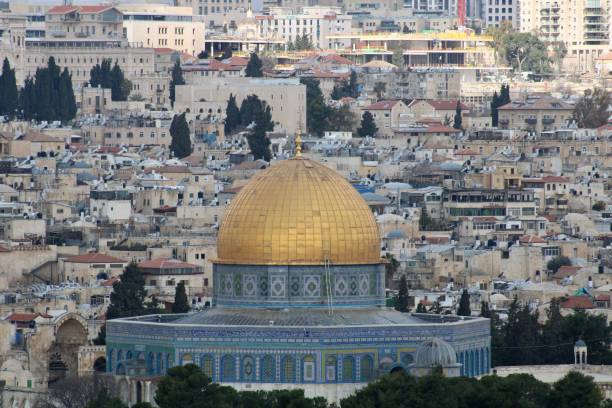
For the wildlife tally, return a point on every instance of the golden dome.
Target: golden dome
(298, 212)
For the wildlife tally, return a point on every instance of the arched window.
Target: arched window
(330, 369)
(159, 364)
(308, 368)
(268, 372)
(348, 369)
(248, 369)
(111, 360)
(151, 363)
(208, 366)
(288, 369)
(228, 368)
(128, 355)
(367, 368)
(407, 359)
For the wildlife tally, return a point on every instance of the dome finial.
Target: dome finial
(298, 140)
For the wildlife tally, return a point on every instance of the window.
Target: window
(288, 369)
(208, 365)
(348, 369)
(367, 368)
(268, 369)
(309, 368)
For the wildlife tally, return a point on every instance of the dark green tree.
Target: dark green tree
(464, 304)
(368, 126)
(591, 110)
(27, 100)
(203, 54)
(593, 329)
(391, 267)
(494, 112)
(421, 308)
(249, 109)
(575, 390)
(105, 400)
(128, 296)
(259, 143)
(67, 104)
(254, 67)
(101, 339)
(379, 89)
(100, 74)
(181, 303)
(340, 119)
(317, 112)
(353, 85)
(188, 387)
(181, 139)
(402, 296)
(232, 115)
(177, 79)
(551, 335)
(120, 86)
(458, 123)
(425, 221)
(9, 98)
(599, 206)
(557, 262)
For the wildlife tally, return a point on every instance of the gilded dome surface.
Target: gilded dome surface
(298, 212)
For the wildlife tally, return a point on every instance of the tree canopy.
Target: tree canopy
(591, 110)
(232, 116)
(106, 77)
(402, 296)
(302, 43)
(522, 51)
(464, 304)
(180, 134)
(458, 122)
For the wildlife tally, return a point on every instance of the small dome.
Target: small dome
(435, 352)
(396, 234)
(580, 343)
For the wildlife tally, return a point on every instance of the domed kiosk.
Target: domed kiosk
(298, 298)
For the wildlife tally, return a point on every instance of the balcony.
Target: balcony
(548, 121)
(531, 121)
(57, 34)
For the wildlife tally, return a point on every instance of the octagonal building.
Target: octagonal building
(298, 299)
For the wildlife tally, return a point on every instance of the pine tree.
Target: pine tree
(402, 296)
(177, 79)
(181, 303)
(464, 304)
(421, 308)
(368, 127)
(9, 98)
(254, 67)
(127, 298)
(181, 140)
(484, 309)
(232, 115)
(353, 85)
(458, 124)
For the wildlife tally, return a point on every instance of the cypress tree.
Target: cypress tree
(181, 303)
(254, 67)
(458, 124)
(464, 304)
(177, 79)
(9, 98)
(181, 140)
(421, 308)
(27, 98)
(494, 112)
(259, 143)
(100, 74)
(119, 85)
(232, 115)
(67, 105)
(127, 298)
(402, 296)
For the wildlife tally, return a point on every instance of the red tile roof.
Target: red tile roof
(434, 128)
(566, 271)
(26, 317)
(578, 302)
(94, 258)
(238, 61)
(4, 249)
(602, 298)
(80, 9)
(382, 105)
(109, 282)
(531, 239)
(447, 105)
(166, 263)
(62, 9)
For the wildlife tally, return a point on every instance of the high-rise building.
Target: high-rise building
(494, 12)
(582, 25)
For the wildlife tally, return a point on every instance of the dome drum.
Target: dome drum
(290, 286)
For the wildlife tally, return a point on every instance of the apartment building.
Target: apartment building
(160, 25)
(317, 23)
(286, 98)
(93, 23)
(494, 12)
(536, 113)
(582, 25)
(482, 203)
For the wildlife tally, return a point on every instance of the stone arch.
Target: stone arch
(367, 368)
(308, 368)
(288, 369)
(208, 365)
(99, 365)
(348, 369)
(331, 368)
(228, 368)
(70, 333)
(268, 369)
